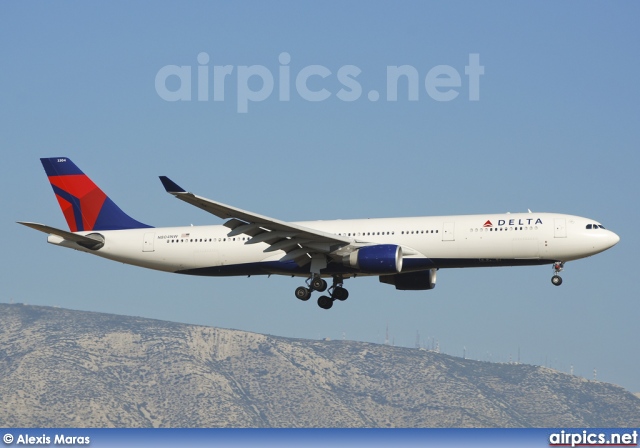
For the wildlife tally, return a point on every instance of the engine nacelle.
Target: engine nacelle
(379, 259)
(412, 281)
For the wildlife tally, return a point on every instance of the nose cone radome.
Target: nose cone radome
(602, 240)
(605, 240)
(613, 239)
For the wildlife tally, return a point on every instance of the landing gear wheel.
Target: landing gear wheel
(325, 302)
(318, 284)
(558, 267)
(303, 293)
(556, 280)
(339, 293)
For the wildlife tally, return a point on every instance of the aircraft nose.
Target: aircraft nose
(613, 239)
(603, 240)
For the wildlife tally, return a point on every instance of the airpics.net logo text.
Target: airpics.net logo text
(256, 83)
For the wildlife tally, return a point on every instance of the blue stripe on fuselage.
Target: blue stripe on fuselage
(409, 265)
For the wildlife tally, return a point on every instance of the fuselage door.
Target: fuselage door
(447, 231)
(560, 228)
(147, 245)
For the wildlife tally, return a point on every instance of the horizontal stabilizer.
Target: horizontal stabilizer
(84, 241)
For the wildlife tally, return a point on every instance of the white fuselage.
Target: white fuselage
(446, 241)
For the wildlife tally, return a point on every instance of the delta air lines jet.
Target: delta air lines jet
(403, 252)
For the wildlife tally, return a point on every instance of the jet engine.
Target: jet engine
(412, 281)
(378, 259)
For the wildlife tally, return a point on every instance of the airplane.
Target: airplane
(402, 252)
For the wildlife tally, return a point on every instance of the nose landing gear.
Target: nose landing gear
(557, 267)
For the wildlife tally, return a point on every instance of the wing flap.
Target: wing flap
(270, 237)
(247, 229)
(296, 253)
(287, 244)
(234, 223)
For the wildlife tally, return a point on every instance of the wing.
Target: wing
(300, 243)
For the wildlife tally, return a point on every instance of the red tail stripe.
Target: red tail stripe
(91, 199)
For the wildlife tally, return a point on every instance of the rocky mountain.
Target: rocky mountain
(63, 368)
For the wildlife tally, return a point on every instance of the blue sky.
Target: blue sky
(555, 129)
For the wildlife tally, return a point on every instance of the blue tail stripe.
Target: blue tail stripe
(111, 217)
(75, 203)
(59, 166)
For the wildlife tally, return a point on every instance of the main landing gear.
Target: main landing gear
(557, 267)
(315, 283)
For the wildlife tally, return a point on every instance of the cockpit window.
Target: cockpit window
(601, 226)
(588, 226)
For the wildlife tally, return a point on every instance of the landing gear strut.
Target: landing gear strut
(557, 267)
(316, 283)
(337, 291)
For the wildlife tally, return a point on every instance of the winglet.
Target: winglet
(171, 186)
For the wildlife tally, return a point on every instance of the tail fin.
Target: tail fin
(84, 205)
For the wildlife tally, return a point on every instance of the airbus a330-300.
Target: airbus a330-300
(404, 252)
